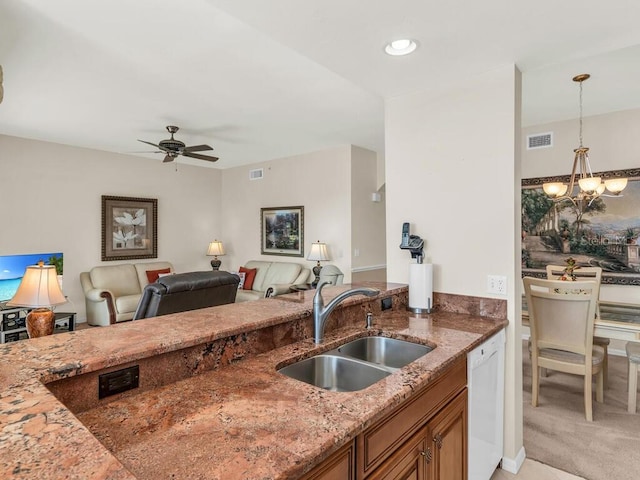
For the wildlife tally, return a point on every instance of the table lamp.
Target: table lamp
(215, 249)
(39, 290)
(318, 253)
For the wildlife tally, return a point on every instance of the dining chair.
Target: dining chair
(633, 355)
(561, 323)
(554, 272)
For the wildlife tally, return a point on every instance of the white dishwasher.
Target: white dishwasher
(485, 377)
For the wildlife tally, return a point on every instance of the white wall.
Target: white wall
(453, 172)
(613, 145)
(319, 181)
(368, 225)
(51, 201)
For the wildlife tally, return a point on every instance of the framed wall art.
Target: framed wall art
(605, 233)
(282, 231)
(129, 228)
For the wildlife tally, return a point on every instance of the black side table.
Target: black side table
(13, 328)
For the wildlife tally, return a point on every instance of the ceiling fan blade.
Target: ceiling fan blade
(154, 145)
(149, 143)
(168, 158)
(197, 148)
(200, 157)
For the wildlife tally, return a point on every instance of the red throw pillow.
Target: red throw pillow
(153, 275)
(249, 277)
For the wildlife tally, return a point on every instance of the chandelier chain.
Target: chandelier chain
(580, 114)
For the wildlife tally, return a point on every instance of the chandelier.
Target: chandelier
(589, 187)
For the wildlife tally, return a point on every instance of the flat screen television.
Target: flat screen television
(13, 268)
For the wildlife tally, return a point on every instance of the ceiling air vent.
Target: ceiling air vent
(256, 174)
(540, 140)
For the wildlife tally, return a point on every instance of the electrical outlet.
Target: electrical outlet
(497, 284)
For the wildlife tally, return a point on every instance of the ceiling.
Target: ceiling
(261, 80)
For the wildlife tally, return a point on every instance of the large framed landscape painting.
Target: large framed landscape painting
(282, 231)
(129, 228)
(605, 234)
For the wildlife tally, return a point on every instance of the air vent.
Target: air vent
(256, 174)
(540, 140)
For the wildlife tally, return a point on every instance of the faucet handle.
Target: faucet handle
(369, 320)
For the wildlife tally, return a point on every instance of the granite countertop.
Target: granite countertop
(243, 420)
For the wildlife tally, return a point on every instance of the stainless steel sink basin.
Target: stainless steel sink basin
(335, 373)
(389, 352)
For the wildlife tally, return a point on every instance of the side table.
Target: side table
(13, 327)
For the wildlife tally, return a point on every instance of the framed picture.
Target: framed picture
(129, 228)
(282, 231)
(606, 234)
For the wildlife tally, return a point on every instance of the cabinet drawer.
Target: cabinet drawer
(379, 441)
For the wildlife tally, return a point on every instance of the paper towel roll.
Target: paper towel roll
(420, 287)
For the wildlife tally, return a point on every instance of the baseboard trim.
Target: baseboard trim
(512, 465)
(368, 268)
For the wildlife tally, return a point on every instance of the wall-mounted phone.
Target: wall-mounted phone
(405, 235)
(411, 242)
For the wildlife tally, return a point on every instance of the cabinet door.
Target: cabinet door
(339, 466)
(409, 462)
(448, 431)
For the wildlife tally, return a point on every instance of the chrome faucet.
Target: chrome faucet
(321, 313)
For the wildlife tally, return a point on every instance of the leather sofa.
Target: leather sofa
(187, 291)
(272, 279)
(112, 292)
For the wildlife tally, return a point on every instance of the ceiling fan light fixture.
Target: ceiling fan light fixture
(403, 46)
(172, 148)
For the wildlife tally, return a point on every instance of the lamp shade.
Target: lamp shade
(39, 288)
(555, 189)
(616, 185)
(318, 252)
(215, 248)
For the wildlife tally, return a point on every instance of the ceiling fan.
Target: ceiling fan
(172, 148)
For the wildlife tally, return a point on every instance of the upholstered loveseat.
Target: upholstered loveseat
(271, 279)
(112, 292)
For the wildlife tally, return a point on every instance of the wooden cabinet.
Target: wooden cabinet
(425, 438)
(448, 441)
(407, 463)
(339, 466)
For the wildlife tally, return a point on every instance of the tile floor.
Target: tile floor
(532, 470)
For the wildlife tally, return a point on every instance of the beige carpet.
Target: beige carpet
(556, 432)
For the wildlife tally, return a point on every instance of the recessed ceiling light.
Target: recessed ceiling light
(401, 47)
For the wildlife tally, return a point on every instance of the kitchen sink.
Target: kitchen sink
(335, 373)
(389, 352)
(356, 364)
